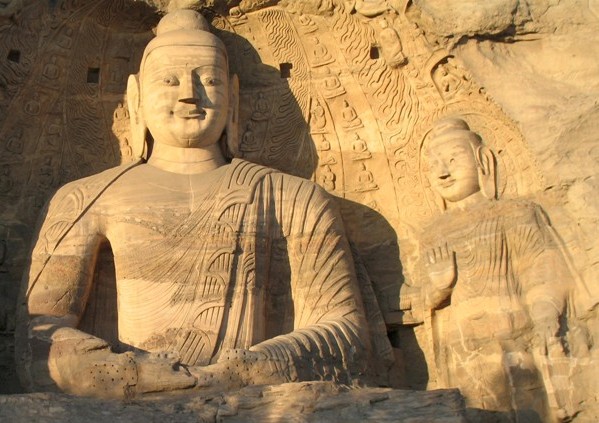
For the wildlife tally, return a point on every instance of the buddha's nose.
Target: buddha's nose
(442, 171)
(187, 90)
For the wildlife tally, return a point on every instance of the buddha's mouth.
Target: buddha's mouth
(446, 183)
(190, 113)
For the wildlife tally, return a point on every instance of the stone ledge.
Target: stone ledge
(297, 402)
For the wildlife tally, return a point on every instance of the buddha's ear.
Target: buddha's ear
(138, 125)
(233, 118)
(487, 172)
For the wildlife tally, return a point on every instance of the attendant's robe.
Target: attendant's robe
(507, 261)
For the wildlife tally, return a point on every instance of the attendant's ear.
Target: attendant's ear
(138, 125)
(232, 140)
(487, 172)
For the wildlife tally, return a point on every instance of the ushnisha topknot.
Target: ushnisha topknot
(183, 19)
(183, 27)
(454, 127)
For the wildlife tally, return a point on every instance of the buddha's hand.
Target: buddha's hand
(545, 317)
(85, 365)
(441, 268)
(234, 369)
(81, 364)
(158, 372)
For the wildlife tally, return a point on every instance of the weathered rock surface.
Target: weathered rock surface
(304, 402)
(523, 74)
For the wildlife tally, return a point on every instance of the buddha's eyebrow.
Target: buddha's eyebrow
(459, 149)
(210, 68)
(202, 68)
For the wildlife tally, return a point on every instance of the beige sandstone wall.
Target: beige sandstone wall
(530, 67)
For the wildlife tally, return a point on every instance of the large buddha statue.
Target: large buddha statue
(227, 274)
(496, 285)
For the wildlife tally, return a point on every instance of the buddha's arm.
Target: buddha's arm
(59, 281)
(330, 338)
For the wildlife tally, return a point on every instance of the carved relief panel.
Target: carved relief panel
(344, 93)
(346, 99)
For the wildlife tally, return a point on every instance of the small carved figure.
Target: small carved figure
(324, 144)
(327, 160)
(126, 151)
(65, 39)
(327, 179)
(391, 45)
(32, 107)
(447, 83)
(261, 108)
(120, 113)
(497, 283)
(248, 140)
(53, 133)
(359, 149)
(320, 54)
(371, 8)
(307, 24)
(350, 117)
(6, 182)
(318, 120)
(236, 16)
(331, 84)
(15, 143)
(51, 70)
(46, 174)
(117, 74)
(365, 180)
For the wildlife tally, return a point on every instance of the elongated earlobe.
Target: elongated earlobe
(232, 140)
(487, 172)
(138, 125)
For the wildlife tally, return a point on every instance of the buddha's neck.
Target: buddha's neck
(467, 202)
(186, 160)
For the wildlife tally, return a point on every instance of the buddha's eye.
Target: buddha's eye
(210, 81)
(170, 80)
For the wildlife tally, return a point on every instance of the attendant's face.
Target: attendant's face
(185, 95)
(453, 170)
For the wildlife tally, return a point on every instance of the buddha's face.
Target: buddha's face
(185, 95)
(453, 169)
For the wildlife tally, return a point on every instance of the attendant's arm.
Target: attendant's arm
(441, 268)
(544, 278)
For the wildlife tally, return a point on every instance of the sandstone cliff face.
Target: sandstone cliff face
(530, 64)
(538, 61)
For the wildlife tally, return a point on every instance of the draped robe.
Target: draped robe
(242, 257)
(507, 260)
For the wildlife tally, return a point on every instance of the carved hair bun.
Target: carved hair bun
(449, 124)
(182, 19)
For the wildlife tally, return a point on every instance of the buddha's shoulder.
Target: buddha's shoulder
(251, 173)
(86, 190)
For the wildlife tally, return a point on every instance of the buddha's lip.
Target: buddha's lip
(446, 183)
(191, 113)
